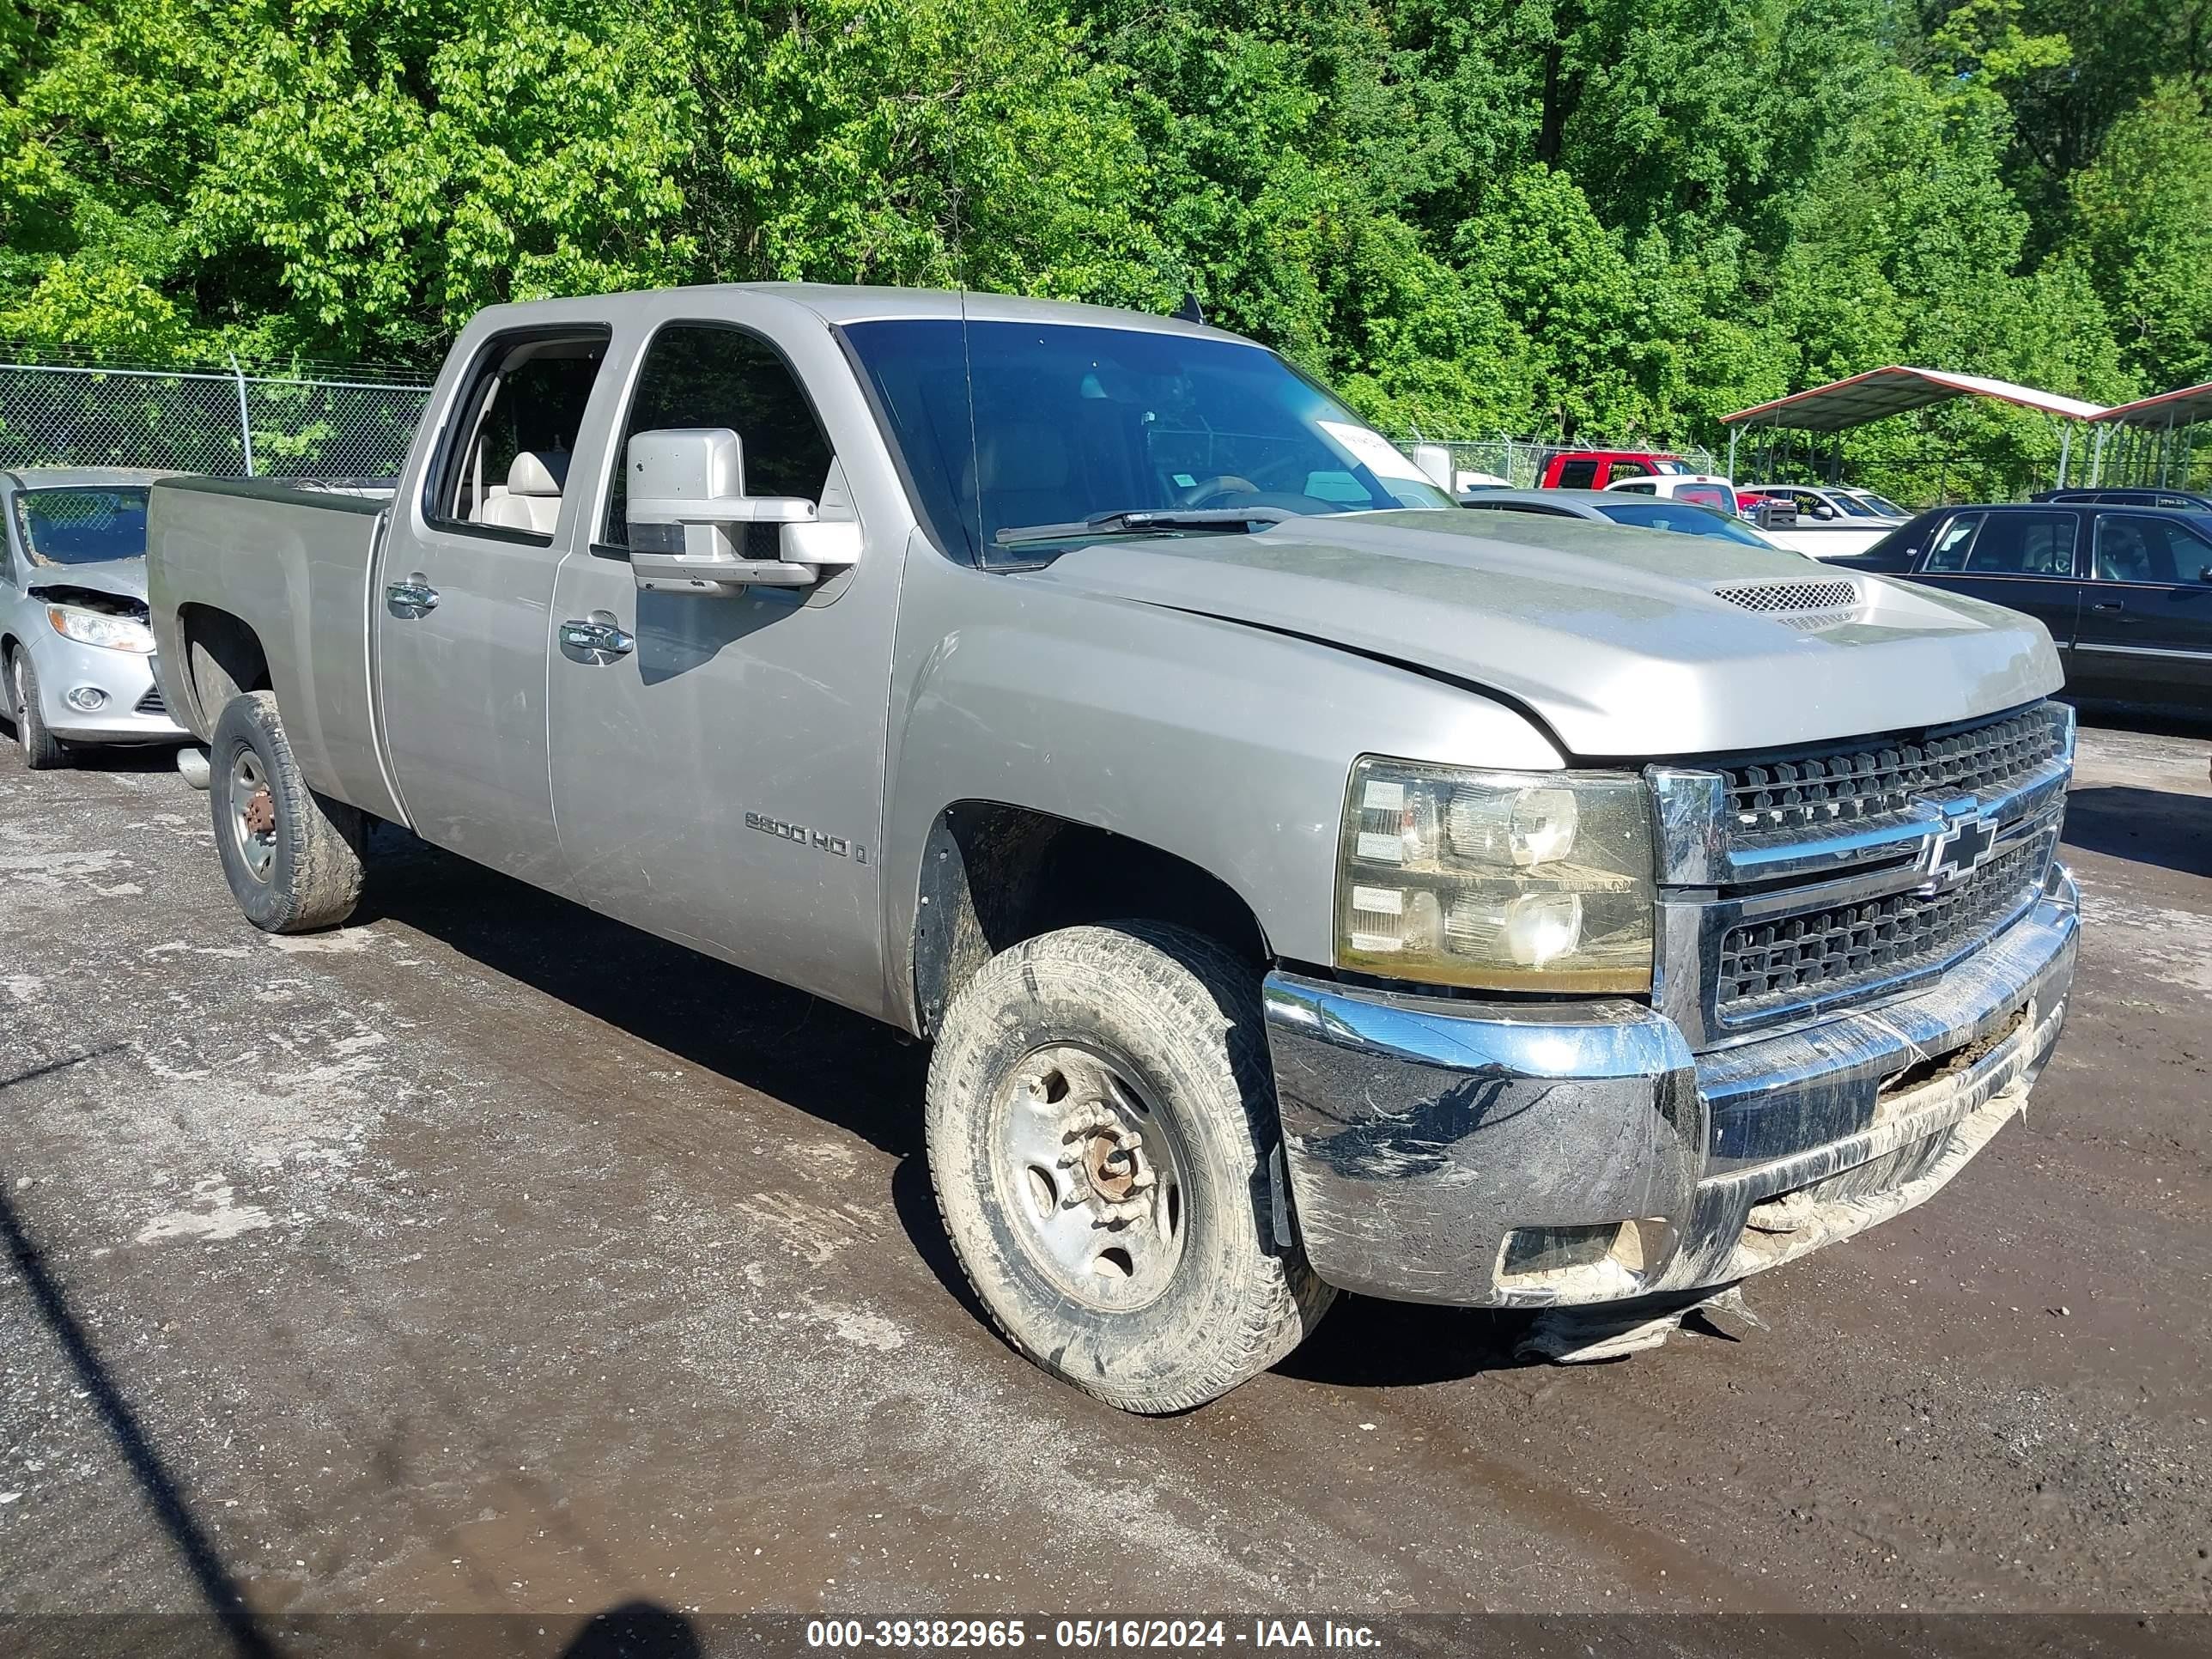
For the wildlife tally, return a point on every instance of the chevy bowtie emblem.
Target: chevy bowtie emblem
(1960, 847)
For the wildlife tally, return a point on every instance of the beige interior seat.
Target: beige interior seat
(533, 501)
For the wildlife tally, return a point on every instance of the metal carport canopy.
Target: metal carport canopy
(1896, 390)
(2184, 407)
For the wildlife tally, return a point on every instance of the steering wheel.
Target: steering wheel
(1221, 484)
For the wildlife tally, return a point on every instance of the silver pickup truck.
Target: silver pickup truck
(1305, 884)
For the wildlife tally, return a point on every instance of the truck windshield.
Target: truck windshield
(82, 526)
(1024, 439)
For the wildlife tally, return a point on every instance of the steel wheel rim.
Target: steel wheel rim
(1091, 1178)
(256, 843)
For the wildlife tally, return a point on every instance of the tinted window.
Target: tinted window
(701, 374)
(1948, 552)
(82, 526)
(1640, 489)
(2137, 548)
(2024, 544)
(1578, 475)
(1015, 433)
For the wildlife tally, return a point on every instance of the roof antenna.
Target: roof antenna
(1188, 310)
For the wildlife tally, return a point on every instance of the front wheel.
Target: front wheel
(1100, 1117)
(41, 748)
(292, 858)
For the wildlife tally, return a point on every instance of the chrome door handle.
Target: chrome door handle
(410, 599)
(597, 641)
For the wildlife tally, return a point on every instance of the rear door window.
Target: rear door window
(505, 462)
(2024, 544)
(1578, 475)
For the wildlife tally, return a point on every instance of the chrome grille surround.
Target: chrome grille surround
(1891, 858)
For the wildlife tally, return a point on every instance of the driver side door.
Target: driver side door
(718, 762)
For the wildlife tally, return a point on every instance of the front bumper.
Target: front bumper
(134, 711)
(1534, 1155)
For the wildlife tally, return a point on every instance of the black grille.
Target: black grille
(151, 703)
(1793, 959)
(1850, 786)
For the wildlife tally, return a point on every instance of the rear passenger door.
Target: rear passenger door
(2022, 560)
(463, 598)
(2146, 632)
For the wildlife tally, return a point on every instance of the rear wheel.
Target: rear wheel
(1100, 1119)
(292, 858)
(41, 748)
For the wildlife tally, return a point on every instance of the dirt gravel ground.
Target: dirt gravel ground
(485, 1255)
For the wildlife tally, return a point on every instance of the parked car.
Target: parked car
(74, 643)
(1699, 488)
(1880, 505)
(2126, 589)
(1593, 468)
(1304, 884)
(1831, 524)
(2187, 500)
(1620, 508)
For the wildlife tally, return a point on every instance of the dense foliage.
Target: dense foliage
(1615, 217)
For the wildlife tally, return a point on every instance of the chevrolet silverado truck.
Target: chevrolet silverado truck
(1306, 886)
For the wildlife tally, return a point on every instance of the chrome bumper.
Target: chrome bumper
(1532, 1155)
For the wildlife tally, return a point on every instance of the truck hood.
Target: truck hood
(1619, 640)
(69, 584)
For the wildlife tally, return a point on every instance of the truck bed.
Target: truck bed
(296, 566)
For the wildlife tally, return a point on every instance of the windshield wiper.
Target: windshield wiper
(1134, 519)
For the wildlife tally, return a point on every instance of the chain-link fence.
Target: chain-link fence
(224, 422)
(1519, 462)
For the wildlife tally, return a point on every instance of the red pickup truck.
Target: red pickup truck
(1593, 468)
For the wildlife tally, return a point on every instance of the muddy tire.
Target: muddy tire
(1100, 1119)
(292, 858)
(41, 748)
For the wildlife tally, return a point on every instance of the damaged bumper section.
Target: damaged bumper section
(1550, 1154)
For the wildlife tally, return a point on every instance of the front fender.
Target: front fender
(1226, 746)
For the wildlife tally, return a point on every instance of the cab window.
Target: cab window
(1578, 475)
(715, 374)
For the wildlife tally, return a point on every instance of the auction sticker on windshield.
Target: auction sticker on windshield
(1372, 451)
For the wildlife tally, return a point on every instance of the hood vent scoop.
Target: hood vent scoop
(1799, 604)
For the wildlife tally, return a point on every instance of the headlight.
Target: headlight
(1510, 881)
(98, 628)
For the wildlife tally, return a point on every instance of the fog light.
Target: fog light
(86, 699)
